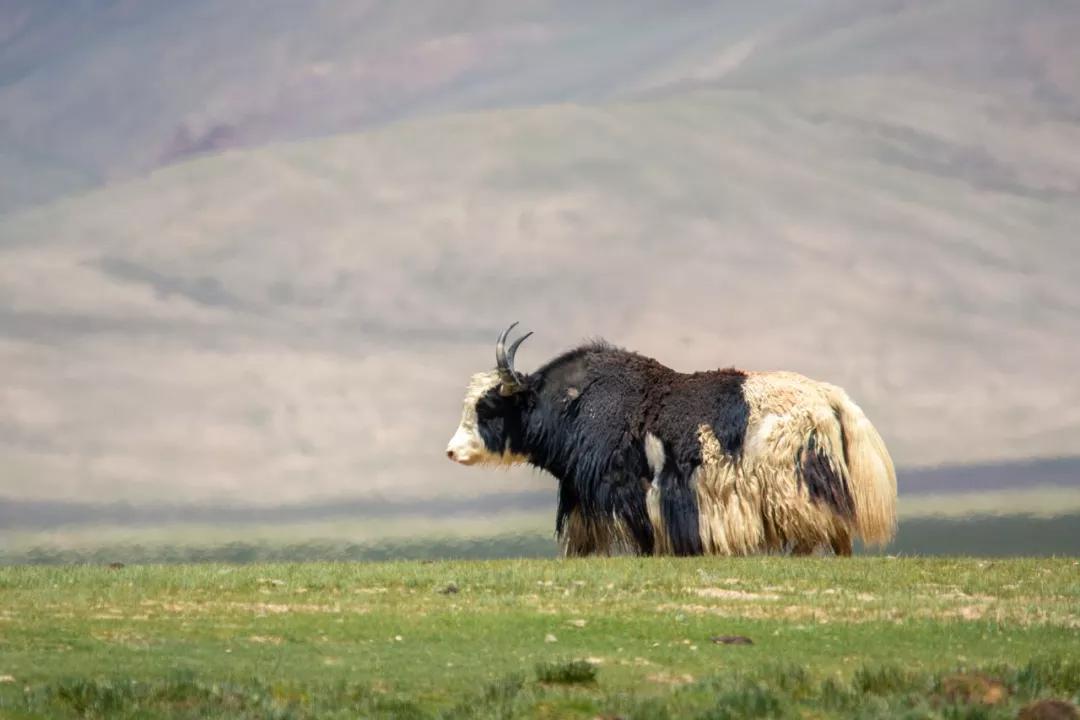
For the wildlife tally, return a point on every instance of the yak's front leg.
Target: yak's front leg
(615, 523)
(672, 503)
(679, 510)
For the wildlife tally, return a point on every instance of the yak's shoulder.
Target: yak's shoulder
(600, 356)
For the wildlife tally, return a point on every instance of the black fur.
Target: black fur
(584, 416)
(822, 481)
(678, 506)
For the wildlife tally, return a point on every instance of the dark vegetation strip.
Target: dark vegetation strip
(1015, 475)
(988, 535)
(42, 514)
(781, 691)
(979, 536)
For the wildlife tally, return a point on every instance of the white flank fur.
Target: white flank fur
(755, 501)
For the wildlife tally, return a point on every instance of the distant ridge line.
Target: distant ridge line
(1004, 475)
(41, 514)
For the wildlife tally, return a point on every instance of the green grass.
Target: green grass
(628, 638)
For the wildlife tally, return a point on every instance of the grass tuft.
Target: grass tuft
(495, 701)
(884, 680)
(752, 700)
(568, 672)
(1056, 673)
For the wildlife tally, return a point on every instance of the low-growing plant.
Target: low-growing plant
(567, 672)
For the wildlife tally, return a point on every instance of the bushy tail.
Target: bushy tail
(871, 475)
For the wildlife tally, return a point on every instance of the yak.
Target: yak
(654, 461)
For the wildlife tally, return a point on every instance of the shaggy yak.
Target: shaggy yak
(654, 461)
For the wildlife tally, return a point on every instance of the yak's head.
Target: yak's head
(493, 420)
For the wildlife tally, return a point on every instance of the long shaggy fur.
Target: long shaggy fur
(725, 462)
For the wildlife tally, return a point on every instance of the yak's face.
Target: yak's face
(491, 425)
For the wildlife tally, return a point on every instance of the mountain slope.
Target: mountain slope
(299, 321)
(107, 89)
(112, 88)
(879, 194)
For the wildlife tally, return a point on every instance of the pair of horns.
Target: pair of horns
(504, 358)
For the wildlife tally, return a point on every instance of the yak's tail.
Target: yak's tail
(871, 475)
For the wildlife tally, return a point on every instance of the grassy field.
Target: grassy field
(633, 638)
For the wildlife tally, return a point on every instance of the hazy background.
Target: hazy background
(251, 250)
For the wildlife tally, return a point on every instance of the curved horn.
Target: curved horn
(504, 359)
(501, 362)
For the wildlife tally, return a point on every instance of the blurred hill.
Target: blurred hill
(256, 249)
(106, 89)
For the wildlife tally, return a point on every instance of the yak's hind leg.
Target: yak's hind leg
(841, 543)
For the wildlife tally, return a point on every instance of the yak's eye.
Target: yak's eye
(486, 410)
(492, 405)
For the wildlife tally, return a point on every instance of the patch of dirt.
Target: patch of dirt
(956, 594)
(670, 679)
(796, 612)
(266, 639)
(725, 594)
(123, 637)
(971, 612)
(282, 608)
(259, 608)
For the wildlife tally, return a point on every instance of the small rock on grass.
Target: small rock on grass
(1049, 710)
(731, 640)
(974, 688)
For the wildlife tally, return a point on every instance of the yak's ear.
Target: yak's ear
(514, 386)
